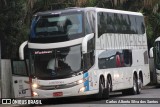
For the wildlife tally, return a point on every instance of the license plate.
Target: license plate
(56, 94)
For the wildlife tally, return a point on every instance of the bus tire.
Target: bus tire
(108, 88)
(140, 84)
(101, 89)
(135, 86)
(133, 90)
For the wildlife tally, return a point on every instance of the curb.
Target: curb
(148, 87)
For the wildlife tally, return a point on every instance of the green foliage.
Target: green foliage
(91, 3)
(153, 27)
(156, 19)
(15, 17)
(149, 31)
(12, 28)
(152, 21)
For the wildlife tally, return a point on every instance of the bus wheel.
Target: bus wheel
(108, 88)
(135, 86)
(133, 90)
(140, 84)
(101, 89)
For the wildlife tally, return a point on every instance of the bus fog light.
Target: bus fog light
(34, 85)
(82, 89)
(35, 94)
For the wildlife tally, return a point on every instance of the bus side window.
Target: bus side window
(89, 57)
(87, 27)
(20, 67)
(118, 61)
(127, 54)
(115, 59)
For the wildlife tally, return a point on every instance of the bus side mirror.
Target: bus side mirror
(21, 50)
(151, 52)
(85, 42)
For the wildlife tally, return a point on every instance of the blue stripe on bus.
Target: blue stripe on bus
(86, 83)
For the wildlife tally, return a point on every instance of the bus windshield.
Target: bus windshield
(56, 64)
(63, 26)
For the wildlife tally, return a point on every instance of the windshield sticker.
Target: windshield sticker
(42, 52)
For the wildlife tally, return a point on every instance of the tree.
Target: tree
(12, 29)
(152, 21)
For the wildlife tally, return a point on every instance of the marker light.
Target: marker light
(34, 85)
(35, 94)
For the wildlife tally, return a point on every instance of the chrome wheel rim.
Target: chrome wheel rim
(134, 86)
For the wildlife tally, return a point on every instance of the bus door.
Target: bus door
(20, 79)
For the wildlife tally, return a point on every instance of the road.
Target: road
(147, 92)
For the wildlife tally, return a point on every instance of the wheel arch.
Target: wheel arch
(141, 75)
(135, 74)
(102, 77)
(109, 76)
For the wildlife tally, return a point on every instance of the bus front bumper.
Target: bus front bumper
(77, 90)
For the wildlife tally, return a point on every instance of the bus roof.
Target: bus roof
(118, 11)
(73, 9)
(158, 39)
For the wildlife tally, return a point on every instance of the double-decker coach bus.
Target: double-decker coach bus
(85, 51)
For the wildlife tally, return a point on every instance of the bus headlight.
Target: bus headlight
(77, 82)
(80, 81)
(34, 85)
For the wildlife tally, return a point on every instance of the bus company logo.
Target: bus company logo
(56, 87)
(42, 52)
(56, 82)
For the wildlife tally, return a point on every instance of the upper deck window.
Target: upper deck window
(57, 27)
(120, 23)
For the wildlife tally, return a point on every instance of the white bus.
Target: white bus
(85, 51)
(155, 53)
